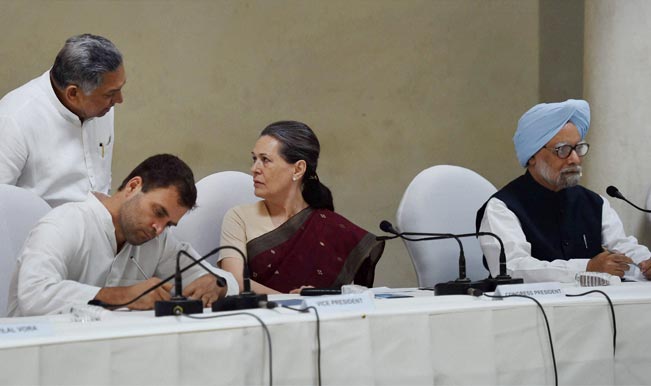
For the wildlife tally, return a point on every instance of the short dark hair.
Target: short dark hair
(83, 61)
(298, 142)
(165, 170)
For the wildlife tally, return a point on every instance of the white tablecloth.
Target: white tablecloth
(422, 340)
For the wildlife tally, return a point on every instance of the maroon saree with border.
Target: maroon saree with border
(316, 247)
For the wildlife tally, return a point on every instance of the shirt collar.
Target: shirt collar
(103, 217)
(46, 86)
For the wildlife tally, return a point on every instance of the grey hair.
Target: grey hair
(83, 61)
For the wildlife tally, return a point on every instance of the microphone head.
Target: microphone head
(387, 227)
(614, 192)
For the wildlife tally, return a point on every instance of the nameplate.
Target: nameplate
(362, 302)
(535, 290)
(25, 330)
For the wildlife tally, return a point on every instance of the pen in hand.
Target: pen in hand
(629, 263)
(139, 267)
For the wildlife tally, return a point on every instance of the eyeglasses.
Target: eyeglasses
(564, 151)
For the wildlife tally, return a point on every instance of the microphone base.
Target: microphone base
(243, 301)
(501, 280)
(459, 287)
(178, 306)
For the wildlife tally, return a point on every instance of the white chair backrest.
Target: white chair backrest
(443, 199)
(20, 209)
(216, 194)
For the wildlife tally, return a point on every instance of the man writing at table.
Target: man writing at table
(552, 227)
(113, 248)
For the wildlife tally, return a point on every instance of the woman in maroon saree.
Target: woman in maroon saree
(316, 247)
(293, 238)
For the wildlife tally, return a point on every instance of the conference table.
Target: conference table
(418, 340)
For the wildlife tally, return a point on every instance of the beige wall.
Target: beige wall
(391, 87)
(560, 26)
(618, 86)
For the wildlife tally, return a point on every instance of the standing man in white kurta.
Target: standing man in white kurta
(57, 130)
(112, 249)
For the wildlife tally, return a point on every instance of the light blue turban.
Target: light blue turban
(543, 121)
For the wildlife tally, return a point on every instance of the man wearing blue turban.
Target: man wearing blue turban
(553, 228)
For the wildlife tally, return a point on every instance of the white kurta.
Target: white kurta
(46, 149)
(499, 219)
(72, 253)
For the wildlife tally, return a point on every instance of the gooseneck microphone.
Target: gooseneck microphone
(453, 287)
(615, 193)
(173, 276)
(180, 304)
(220, 280)
(387, 227)
(247, 298)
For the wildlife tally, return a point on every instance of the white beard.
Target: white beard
(566, 178)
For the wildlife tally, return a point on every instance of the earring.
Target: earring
(293, 178)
